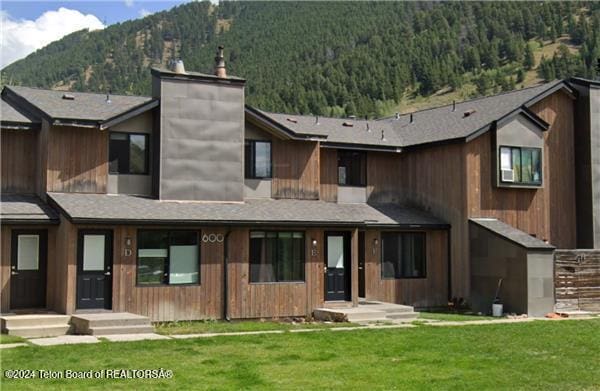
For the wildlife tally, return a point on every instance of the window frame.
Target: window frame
(277, 261)
(398, 233)
(363, 179)
(252, 172)
(146, 153)
(520, 183)
(167, 264)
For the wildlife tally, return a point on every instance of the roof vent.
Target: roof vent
(469, 113)
(317, 120)
(382, 135)
(352, 117)
(368, 128)
(178, 67)
(292, 120)
(220, 70)
(68, 97)
(348, 124)
(108, 97)
(397, 116)
(453, 105)
(412, 119)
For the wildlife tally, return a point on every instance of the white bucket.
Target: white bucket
(497, 310)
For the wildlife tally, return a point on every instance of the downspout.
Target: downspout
(450, 264)
(225, 277)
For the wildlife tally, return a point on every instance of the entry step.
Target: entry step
(107, 323)
(35, 325)
(368, 311)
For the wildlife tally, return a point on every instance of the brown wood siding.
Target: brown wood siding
(295, 169)
(433, 180)
(5, 263)
(329, 174)
(547, 212)
(19, 147)
(420, 292)
(577, 280)
(77, 160)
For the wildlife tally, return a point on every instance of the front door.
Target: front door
(28, 269)
(337, 266)
(94, 269)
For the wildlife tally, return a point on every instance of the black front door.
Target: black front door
(28, 269)
(94, 269)
(337, 266)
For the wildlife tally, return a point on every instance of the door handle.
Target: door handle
(107, 274)
(325, 269)
(13, 273)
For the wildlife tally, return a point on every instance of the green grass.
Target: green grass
(453, 317)
(5, 338)
(548, 355)
(208, 326)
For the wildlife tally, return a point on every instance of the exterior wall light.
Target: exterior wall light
(375, 244)
(314, 251)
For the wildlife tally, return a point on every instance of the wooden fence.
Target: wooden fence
(577, 280)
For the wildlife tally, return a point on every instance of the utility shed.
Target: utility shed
(525, 264)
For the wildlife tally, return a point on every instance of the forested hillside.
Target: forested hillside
(359, 58)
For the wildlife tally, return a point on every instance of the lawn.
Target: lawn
(453, 317)
(203, 327)
(545, 355)
(4, 338)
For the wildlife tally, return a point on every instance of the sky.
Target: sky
(26, 26)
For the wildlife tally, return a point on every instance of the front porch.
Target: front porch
(367, 311)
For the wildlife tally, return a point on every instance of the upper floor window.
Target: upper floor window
(403, 255)
(128, 153)
(521, 166)
(257, 159)
(352, 168)
(276, 256)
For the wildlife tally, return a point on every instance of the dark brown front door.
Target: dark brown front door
(337, 266)
(28, 269)
(94, 269)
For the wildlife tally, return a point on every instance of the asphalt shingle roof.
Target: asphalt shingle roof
(20, 208)
(509, 232)
(9, 114)
(84, 106)
(428, 126)
(101, 207)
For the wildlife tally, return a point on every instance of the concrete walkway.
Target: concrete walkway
(83, 339)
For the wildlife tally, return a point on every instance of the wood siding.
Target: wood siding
(19, 147)
(577, 280)
(329, 174)
(295, 169)
(547, 212)
(77, 160)
(431, 291)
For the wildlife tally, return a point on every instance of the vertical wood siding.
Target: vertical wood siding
(77, 160)
(329, 175)
(547, 212)
(19, 147)
(421, 292)
(295, 169)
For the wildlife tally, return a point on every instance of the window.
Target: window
(128, 153)
(521, 165)
(352, 168)
(257, 159)
(276, 256)
(168, 257)
(403, 255)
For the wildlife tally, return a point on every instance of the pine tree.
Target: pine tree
(529, 59)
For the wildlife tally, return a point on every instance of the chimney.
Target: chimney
(220, 63)
(177, 67)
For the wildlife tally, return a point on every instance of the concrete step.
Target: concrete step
(111, 323)
(397, 310)
(39, 331)
(11, 321)
(370, 316)
(112, 330)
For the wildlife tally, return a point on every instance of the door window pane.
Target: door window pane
(93, 252)
(28, 252)
(335, 252)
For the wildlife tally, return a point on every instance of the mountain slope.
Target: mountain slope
(332, 58)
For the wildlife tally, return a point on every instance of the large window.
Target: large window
(257, 159)
(168, 257)
(403, 255)
(352, 168)
(128, 153)
(276, 256)
(521, 165)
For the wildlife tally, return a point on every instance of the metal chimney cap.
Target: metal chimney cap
(178, 67)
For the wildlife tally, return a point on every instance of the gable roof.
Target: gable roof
(85, 109)
(430, 126)
(11, 118)
(102, 208)
(512, 234)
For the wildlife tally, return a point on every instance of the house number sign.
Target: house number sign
(212, 238)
